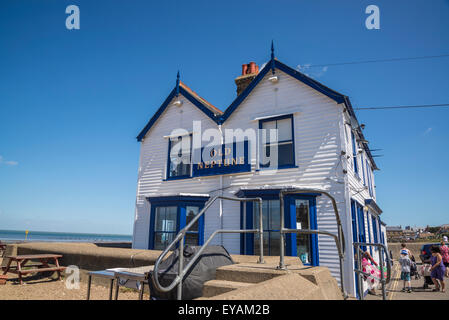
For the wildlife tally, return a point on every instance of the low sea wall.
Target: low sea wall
(89, 256)
(415, 248)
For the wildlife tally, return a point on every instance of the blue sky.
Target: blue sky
(73, 101)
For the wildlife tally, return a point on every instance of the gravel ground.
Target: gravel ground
(37, 287)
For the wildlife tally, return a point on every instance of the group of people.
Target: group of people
(439, 266)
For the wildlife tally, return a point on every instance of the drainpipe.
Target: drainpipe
(221, 191)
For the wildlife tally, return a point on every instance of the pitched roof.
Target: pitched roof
(206, 103)
(207, 108)
(220, 117)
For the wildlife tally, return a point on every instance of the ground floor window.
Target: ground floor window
(272, 223)
(171, 214)
(165, 226)
(299, 213)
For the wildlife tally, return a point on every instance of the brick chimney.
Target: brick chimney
(249, 72)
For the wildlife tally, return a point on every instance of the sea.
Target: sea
(19, 236)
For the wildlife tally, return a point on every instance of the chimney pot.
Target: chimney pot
(244, 69)
(252, 67)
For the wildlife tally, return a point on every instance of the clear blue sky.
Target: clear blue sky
(73, 101)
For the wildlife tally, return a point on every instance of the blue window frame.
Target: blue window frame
(179, 160)
(363, 169)
(355, 237)
(354, 153)
(369, 174)
(361, 224)
(375, 226)
(285, 143)
(299, 212)
(171, 214)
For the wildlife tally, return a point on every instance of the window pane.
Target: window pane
(179, 157)
(191, 212)
(285, 154)
(275, 242)
(303, 222)
(284, 127)
(165, 219)
(275, 219)
(271, 220)
(268, 125)
(162, 240)
(265, 244)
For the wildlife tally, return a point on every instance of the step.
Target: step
(215, 287)
(247, 273)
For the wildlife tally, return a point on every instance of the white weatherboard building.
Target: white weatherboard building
(320, 145)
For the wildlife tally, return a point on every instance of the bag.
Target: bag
(424, 270)
(202, 270)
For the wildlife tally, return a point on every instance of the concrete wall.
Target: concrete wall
(415, 248)
(89, 256)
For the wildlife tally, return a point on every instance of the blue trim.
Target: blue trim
(355, 237)
(181, 202)
(361, 224)
(354, 154)
(220, 169)
(375, 226)
(291, 217)
(167, 101)
(371, 203)
(363, 169)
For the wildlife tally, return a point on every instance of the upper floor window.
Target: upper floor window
(369, 174)
(354, 153)
(179, 157)
(284, 144)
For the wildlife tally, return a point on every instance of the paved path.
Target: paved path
(394, 289)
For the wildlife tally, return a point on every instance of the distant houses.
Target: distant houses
(397, 233)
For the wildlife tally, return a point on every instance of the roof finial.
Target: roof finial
(177, 84)
(272, 56)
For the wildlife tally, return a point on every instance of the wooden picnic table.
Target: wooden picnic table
(21, 260)
(2, 248)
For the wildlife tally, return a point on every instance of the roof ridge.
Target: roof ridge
(201, 99)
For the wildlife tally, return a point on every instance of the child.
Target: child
(405, 263)
(438, 269)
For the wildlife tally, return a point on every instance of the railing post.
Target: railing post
(359, 264)
(261, 259)
(180, 267)
(381, 262)
(282, 242)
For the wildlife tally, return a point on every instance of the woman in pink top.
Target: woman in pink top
(444, 250)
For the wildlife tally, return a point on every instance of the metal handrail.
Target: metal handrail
(339, 238)
(180, 238)
(383, 281)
